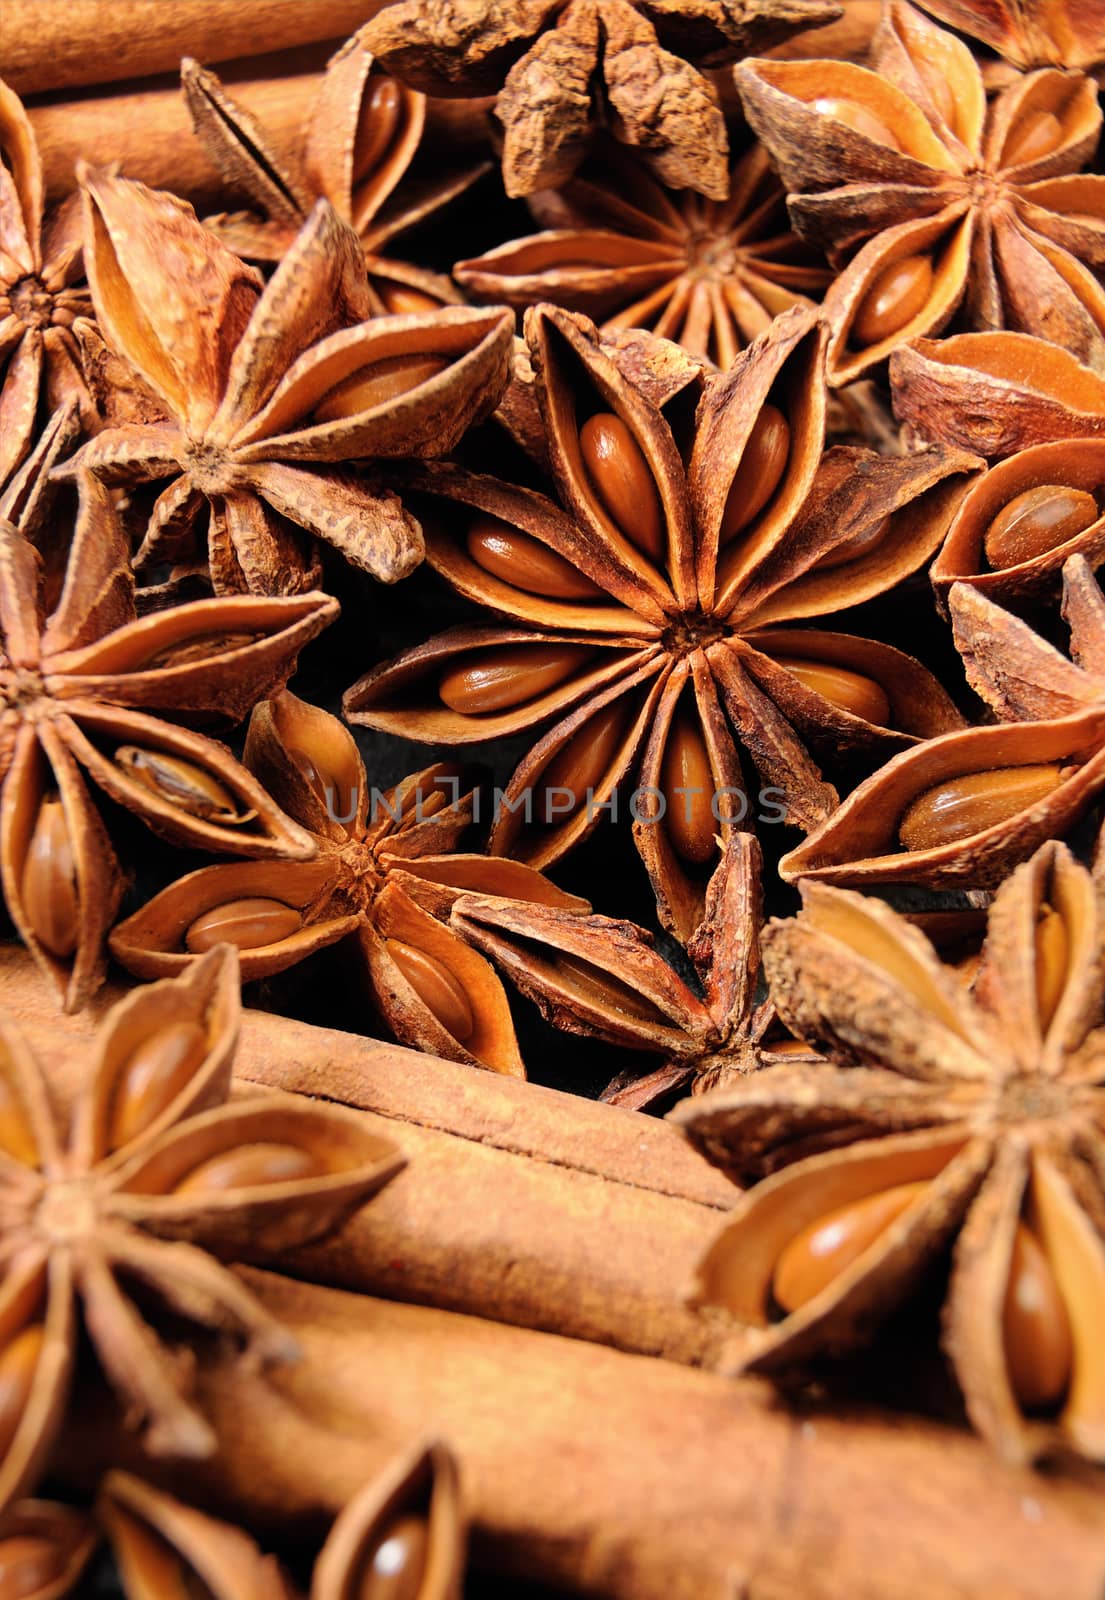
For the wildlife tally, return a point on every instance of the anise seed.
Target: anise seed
(1034, 136)
(827, 1247)
(400, 299)
(963, 806)
(849, 691)
(894, 298)
(248, 923)
(28, 1563)
(49, 882)
(395, 1568)
(858, 118)
(379, 119)
(689, 818)
(377, 384)
(1035, 1327)
(580, 764)
(518, 559)
(759, 472)
(181, 783)
(604, 989)
(18, 1361)
(440, 990)
(860, 544)
(250, 1166)
(1036, 521)
(152, 1076)
(1052, 957)
(494, 680)
(622, 480)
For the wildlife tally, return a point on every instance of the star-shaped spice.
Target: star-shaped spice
(564, 68)
(708, 274)
(384, 877)
(1032, 33)
(157, 1182)
(954, 1120)
(269, 390)
(654, 621)
(359, 151)
(959, 811)
(960, 207)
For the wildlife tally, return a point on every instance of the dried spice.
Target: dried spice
(564, 68)
(87, 689)
(972, 1119)
(1032, 33)
(959, 811)
(657, 618)
(602, 978)
(268, 390)
(384, 876)
(619, 246)
(957, 207)
(158, 1180)
(44, 1550)
(359, 150)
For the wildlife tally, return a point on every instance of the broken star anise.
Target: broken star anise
(955, 1120)
(654, 622)
(385, 873)
(960, 207)
(268, 390)
(158, 1181)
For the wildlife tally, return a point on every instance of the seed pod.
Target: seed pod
(850, 691)
(248, 1166)
(580, 764)
(400, 299)
(49, 882)
(620, 477)
(518, 559)
(181, 783)
(248, 923)
(28, 1563)
(378, 384)
(825, 1249)
(689, 818)
(605, 989)
(152, 1076)
(895, 297)
(759, 472)
(381, 110)
(1037, 521)
(1052, 963)
(860, 544)
(394, 1567)
(1035, 1327)
(18, 1361)
(491, 680)
(1031, 138)
(974, 802)
(440, 991)
(857, 117)
(16, 1138)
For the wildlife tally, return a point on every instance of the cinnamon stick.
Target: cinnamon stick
(617, 1476)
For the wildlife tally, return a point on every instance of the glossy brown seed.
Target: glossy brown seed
(18, 1361)
(1031, 138)
(49, 882)
(759, 472)
(400, 299)
(181, 783)
(340, 804)
(493, 680)
(248, 923)
(689, 818)
(1035, 1327)
(149, 1565)
(977, 801)
(860, 544)
(250, 1166)
(1052, 959)
(821, 1252)
(16, 1138)
(152, 1076)
(513, 556)
(440, 990)
(381, 109)
(895, 297)
(605, 990)
(849, 691)
(28, 1562)
(395, 1567)
(1036, 521)
(622, 480)
(581, 764)
(858, 118)
(377, 384)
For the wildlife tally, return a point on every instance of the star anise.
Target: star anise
(86, 685)
(1032, 33)
(45, 1549)
(384, 876)
(359, 150)
(960, 810)
(564, 68)
(965, 208)
(267, 391)
(602, 978)
(953, 1118)
(157, 1178)
(655, 619)
(708, 274)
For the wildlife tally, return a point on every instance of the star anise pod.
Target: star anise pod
(1032, 33)
(44, 1549)
(358, 146)
(86, 688)
(954, 1120)
(41, 292)
(655, 619)
(602, 977)
(565, 68)
(267, 391)
(708, 274)
(384, 876)
(157, 1178)
(959, 811)
(959, 207)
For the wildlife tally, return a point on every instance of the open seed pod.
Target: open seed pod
(44, 1549)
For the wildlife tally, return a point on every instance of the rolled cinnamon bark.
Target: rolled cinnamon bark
(617, 1476)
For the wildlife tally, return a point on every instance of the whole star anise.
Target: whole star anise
(655, 622)
(385, 873)
(708, 274)
(158, 1181)
(267, 392)
(960, 207)
(973, 1120)
(564, 68)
